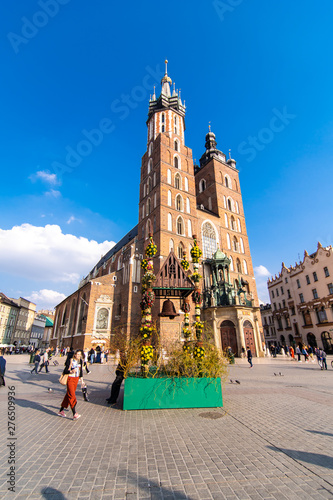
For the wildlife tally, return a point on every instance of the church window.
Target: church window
(176, 162)
(232, 222)
(163, 128)
(149, 185)
(226, 220)
(236, 185)
(163, 118)
(224, 202)
(235, 244)
(150, 165)
(239, 225)
(154, 225)
(169, 222)
(143, 211)
(177, 181)
(229, 204)
(154, 179)
(245, 267)
(186, 183)
(202, 185)
(144, 190)
(176, 145)
(155, 200)
(148, 228)
(188, 207)
(238, 266)
(231, 264)
(189, 228)
(242, 245)
(228, 241)
(150, 149)
(208, 240)
(179, 203)
(226, 181)
(237, 207)
(209, 203)
(169, 198)
(148, 206)
(171, 245)
(176, 131)
(180, 250)
(120, 262)
(169, 176)
(180, 226)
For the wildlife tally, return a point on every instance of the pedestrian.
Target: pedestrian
(85, 359)
(115, 388)
(298, 352)
(36, 361)
(322, 355)
(73, 368)
(292, 352)
(305, 353)
(45, 361)
(2, 369)
(249, 356)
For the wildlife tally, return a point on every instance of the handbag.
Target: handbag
(63, 379)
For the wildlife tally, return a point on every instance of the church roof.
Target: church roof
(126, 239)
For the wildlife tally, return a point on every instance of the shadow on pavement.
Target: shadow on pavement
(52, 494)
(320, 432)
(318, 459)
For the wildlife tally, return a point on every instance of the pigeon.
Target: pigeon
(231, 381)
(275, 374)
(280, 374)
(237, 381)
(50, 390)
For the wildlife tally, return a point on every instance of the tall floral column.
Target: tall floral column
(148, 298)
(196, 254)
(186, 308)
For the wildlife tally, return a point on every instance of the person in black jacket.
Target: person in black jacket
(249, 356)
(36, 361)
(115, 388)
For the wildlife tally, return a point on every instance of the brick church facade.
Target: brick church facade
(177, 200)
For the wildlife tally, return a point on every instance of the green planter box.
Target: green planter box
(154, 393)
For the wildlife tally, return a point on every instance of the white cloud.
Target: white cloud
(53, 193)
(45, 176)
(261, 274)
(46, 299)
(262, 271)
(47, 254)
(72, 219)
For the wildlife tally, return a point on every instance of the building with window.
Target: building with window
(26, 316)
(37, 331)
(302, 301)
(8, 317)
(268, 325)
(177, 200)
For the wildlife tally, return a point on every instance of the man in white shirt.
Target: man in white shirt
(45, 361)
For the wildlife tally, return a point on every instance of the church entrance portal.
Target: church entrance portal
(249, 337)
(228, 336)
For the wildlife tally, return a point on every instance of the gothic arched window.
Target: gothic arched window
(202, 185)
(169, 222)
(180, 226)
(188, 206)
(238, 266)
(169, 176)
(176, 162)
(176, 145)
(208, 240)
(179, 203)
(180, 250)
(177, 181)
(186, 184)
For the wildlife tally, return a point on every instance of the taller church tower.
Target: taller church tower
(177, 200)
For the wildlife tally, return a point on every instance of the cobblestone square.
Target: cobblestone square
(273, 439)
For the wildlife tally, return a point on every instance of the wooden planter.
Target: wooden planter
(158, 393)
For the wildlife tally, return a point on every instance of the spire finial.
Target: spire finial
(209, 127)
(229, 154)
(166, 66)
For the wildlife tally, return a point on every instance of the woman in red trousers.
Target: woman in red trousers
(73, 367)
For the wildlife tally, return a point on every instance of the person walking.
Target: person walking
(249, 356)
(115, 388)
(84, 354)
(305, 353)
(322, 355)
(36, 361)
(45, 361)
(298, 352)
(2, 369)
(73, 368)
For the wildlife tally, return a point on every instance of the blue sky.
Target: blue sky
(259, 71)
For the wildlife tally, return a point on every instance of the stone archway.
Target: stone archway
(327, 342)
(311, 339)
(249, 336)
(228, 336)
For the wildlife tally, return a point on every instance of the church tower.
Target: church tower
(178, 200)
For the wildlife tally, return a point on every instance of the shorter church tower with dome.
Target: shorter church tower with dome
(177, 200)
